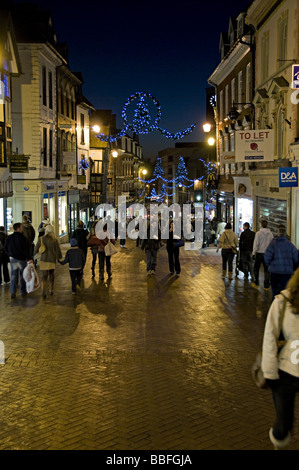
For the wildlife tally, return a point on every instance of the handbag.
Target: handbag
(42, 247)
(94, 241)
(257, 373)
(110, 249)
(179, 243)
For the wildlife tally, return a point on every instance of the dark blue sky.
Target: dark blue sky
(165, 48)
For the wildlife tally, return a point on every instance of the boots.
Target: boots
(279, 444)
(223, 272)
(101, 274)
(230, 276)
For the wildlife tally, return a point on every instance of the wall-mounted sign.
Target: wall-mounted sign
(295, 76)
(81, 179)
(288, 177)
(18, 164)
(255, 145)
(69, 158)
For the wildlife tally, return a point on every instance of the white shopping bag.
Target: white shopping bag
(31, 278)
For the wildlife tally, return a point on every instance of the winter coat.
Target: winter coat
(281, 256)
(104, 238)
(75, 258)
(81, 234)
(16, 246)
(52, 253)
(228, 239)
(247, 240)
(28, 232)
(220, 228)
(288, 358)
(151, 244)
(262, 240)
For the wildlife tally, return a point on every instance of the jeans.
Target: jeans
(94, 261)
(17, 268)
(151, 259)
(102, 259)
(227, 258)
(246, 258)
(76, 276)
(279, 282)
(284, 391)
(259, 259)
(173, 259)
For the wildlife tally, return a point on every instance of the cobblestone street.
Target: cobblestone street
(136, 363)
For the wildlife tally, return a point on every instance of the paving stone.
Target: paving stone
(136, 363)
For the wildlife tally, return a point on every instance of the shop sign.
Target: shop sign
(288, 177)
(69, 158)
(243, 187)
(18, 164)
(255, 145)
(81, 179)
(295, 76)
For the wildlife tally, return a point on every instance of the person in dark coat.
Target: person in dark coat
(151, 247)
(16, 246)
(282, 260)
(4, 258)
(173, 252)
(76, 259)
(29, 233)
(81, 234)
(246, 246)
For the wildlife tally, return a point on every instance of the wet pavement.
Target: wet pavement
(136, 362)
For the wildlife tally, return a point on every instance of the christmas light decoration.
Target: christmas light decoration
(83, 164)
(142, 121)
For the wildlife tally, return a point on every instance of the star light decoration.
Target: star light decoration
(142, 122)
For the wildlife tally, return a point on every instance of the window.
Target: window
(221, 106)
(226, 100)
(265, 57)
(282, 40)
(45, 146)
(170, 159)
(51, 148)
(233, 91)
(248, 83)
(44, 86)
(50, 83)
(82, 128)
(280, 133)
(240, 89)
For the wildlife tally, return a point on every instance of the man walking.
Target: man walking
(81, 234)
(29, 233)
(16, 246)
(246, 247)
(261, 242)
(282, 259)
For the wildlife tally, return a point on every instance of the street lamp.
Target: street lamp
(96, 129)
(114, 154)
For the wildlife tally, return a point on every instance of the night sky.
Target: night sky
(160, 47)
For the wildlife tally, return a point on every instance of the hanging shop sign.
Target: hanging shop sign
(288, 177)
(255, 145)
(295, 76)
(18, 164)
(242, 187)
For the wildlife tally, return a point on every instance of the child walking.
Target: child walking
(76, 259)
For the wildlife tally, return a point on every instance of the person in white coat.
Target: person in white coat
(281, 370)
(261, 242)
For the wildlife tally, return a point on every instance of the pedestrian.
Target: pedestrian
(214, 225)
(151, 247)
(75, 259)
(16, 247)
(281, 370)
(50, 252)
(207, 232)
(4, 258)
(246, 247)
(228, 242)
(261, 242)
(29, 233)
(42, 226)
(173, 251)
(122, 228)
(81, 234)
(104, 237)
(281, 258)
(220, 229)
(93, 242)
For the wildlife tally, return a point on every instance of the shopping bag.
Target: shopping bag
(31, 278)
(110, 249)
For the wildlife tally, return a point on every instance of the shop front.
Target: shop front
(6, 192)
(84, 207)
(244, 206)
(73, 210)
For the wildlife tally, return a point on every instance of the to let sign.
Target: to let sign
(255, 145)
(288, 177)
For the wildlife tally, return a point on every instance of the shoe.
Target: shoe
(73, 293)
(109, 275)
(23, 294)
(51, 292)
(266, 288)
(171, 272)
(178, 273)
(153, 271)
(13, 296)
(148, 273)
(254, 285)
(230, 276)
(223, 273)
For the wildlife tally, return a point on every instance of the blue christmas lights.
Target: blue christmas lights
(142, 121)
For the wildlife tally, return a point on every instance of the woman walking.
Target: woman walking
(228, 241)
(105, 237)
(50, 253)
(281, 370)
(173, 251)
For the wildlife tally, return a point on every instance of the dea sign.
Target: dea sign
(288, 177)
